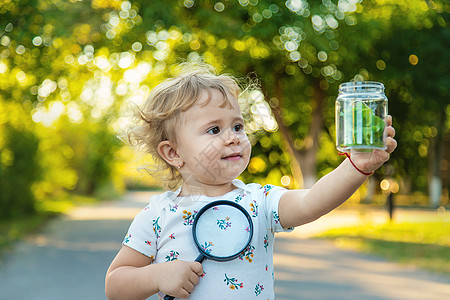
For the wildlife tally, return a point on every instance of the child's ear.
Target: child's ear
(167, 150)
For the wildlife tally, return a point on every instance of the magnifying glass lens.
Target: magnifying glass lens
(223, 231)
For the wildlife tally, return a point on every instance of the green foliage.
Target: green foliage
(47, 70)
(268, 163)
(97, 163)
(19, 169)
(407, 52)
(70, 69)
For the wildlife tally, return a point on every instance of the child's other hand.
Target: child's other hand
(179, 278)
(370, 161)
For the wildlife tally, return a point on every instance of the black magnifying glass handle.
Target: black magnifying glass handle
(200, 258)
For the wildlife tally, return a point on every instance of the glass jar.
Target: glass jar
(361, 110)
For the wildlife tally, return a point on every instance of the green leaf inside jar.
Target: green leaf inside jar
(363, 129)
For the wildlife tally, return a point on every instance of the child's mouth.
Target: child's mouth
(233, 157)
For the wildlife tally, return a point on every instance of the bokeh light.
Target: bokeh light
(413, 59)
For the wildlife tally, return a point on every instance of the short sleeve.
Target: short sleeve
(143, 232)
(271, 195)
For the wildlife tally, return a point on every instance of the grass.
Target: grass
(424, 243)
(17, 228)
(14, 230)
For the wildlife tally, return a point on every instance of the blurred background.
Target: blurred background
(71, 70)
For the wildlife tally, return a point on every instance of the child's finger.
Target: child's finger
(194, 278)
(391, 144)
(184, 294)
(390, 131)
(197, 268)
(388, 120)
(188, 287)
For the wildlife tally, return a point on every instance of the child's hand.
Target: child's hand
(370, 161)
(179, 278)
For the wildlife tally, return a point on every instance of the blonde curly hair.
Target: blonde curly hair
(162, 113)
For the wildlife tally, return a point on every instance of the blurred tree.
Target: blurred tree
(409, 53)
(301, 51)
(19, 169)
(49, 69)
(284, 43)
(74, 67)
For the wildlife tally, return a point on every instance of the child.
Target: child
(193, 126)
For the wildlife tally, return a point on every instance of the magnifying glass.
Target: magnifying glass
(222, 230)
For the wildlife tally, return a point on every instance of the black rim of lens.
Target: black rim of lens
(217, 203)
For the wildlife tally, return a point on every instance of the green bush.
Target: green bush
(19, 169)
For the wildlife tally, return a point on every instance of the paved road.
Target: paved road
(69, 257)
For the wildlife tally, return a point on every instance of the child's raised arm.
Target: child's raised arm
(132, 275)
(298, 207)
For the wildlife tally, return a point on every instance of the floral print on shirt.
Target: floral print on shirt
(233, 283)
(156, 227)
(224, 223)
(173, 255)
(266, 242)
(206, 247)
(276, 218)
(267, 189)
(173, 207)
(248, 253)
(254, 208)
(172, 232)
(188, 217)
(239, 198)
(127, 238)
(258, 289)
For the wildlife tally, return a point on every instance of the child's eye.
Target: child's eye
(214, 130)
(238, 127)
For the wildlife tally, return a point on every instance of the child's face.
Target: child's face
(212, 141)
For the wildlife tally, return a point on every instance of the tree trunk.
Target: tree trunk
(308, 155)
(289, 142)
(303, 162)
(435, 157)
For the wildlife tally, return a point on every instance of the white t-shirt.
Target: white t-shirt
(163, 231)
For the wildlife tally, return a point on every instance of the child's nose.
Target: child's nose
(232, 137)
